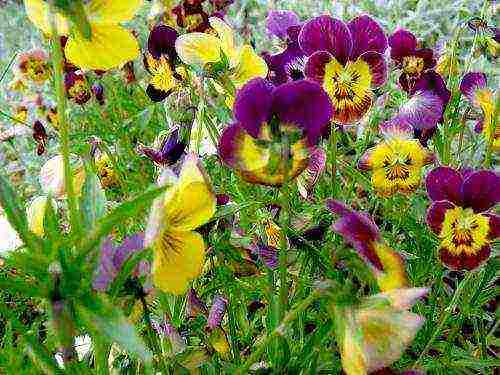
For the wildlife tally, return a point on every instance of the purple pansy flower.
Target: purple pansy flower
(347, 60)
(171, 150)
(77, 87)
(253, 146)
(460, 215)
(113, 258)
(279, 21)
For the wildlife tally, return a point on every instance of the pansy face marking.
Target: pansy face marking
(413, 65)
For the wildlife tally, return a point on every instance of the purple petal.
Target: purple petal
(304, 104)
(325, 33)
(268, 255)
(286, 66)
(228, 144)
(444, 183)
(252, 106)
(472, 82)
(129, 246)
(427, 55)
(402, 43)
(422, 111)
(194, 305)
(481, 190)
(315, 67)
(432, 81)
(308, 179)
(367, 36)
(217, 312)
(106, 271)
(494, 224)
(436, 213)
(359, 231)
(378, 67)
(396, 127)
(279, 21)
(161, 41)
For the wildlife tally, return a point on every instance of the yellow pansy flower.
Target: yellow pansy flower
(110, 44)
(201, 49)
(179, 251)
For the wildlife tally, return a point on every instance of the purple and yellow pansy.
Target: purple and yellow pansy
(460, 214)
(265, 116)
(347, 60)
(474, 87)
(396, 162)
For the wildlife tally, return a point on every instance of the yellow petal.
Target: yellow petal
(36, 213)
(178, 258)
(109, 47)
(198, 48)
(250, 66)
(193, 202)
(38, 13)
(112, 11)
(226, 37)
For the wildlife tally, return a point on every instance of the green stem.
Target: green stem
(279, 330)
(445, 316)
(333, 153)
(57, 63)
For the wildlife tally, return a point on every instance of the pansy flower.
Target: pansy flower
(397, 161)
(34, 66)
(265, 114)
(347, 60)
(200, 49)
(460, 215)
(77, 87)
(179, 251)
(160, 62)
(474, 87)
(412, 61)
(109, 44)
(375, 333)
(171, 149)
(361, 232)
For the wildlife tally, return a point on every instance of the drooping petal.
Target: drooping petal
(252, 107)
(422, 111)
(198, 48)
(35, 214)
(303, 104)
(250, 65)
(444, 183)
(178, 259)
(471, 82)
(464, 261)
(316, 64)
(161, 41)
(481, 190)
(110, 47)
(112, 11)
(38, 13)
(436, 213)
(367, 36)
(279, 21)
(378, 67)
(308, 179)
(396, 128)
(402, 43)
(325, 33)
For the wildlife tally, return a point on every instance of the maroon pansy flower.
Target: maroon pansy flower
(460, 215)
(347, 60)
(40, 137)
(266, 115)
(412, 61)
(77, 87)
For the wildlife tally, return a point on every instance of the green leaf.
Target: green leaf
(105, 320)
(92, 201)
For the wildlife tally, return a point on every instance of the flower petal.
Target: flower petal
(250, 66)
(35, 214)
(378, 67)
(308, 179)
(444, 183)
(109, 47)
(315, 66)
(227, 39)
(481, 190)
(325, 33)
(279, 21)
(303, 104)
(402, 43)
(156, 95)
(367, 36)
(112, 11)
(436, 213)
(397, 127)
(161, 41)
(178, 259)
(433, 82)
(38, 13)
(252, 107)
(198, 48)
(494, 223)
(471, 82)
(422, 111)
(464, 261)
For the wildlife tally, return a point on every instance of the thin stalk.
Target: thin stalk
(279, 330)
(57, 63)
(333, 153)
(445, 316)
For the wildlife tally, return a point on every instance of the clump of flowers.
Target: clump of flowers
(397, 161)
(460, 214)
